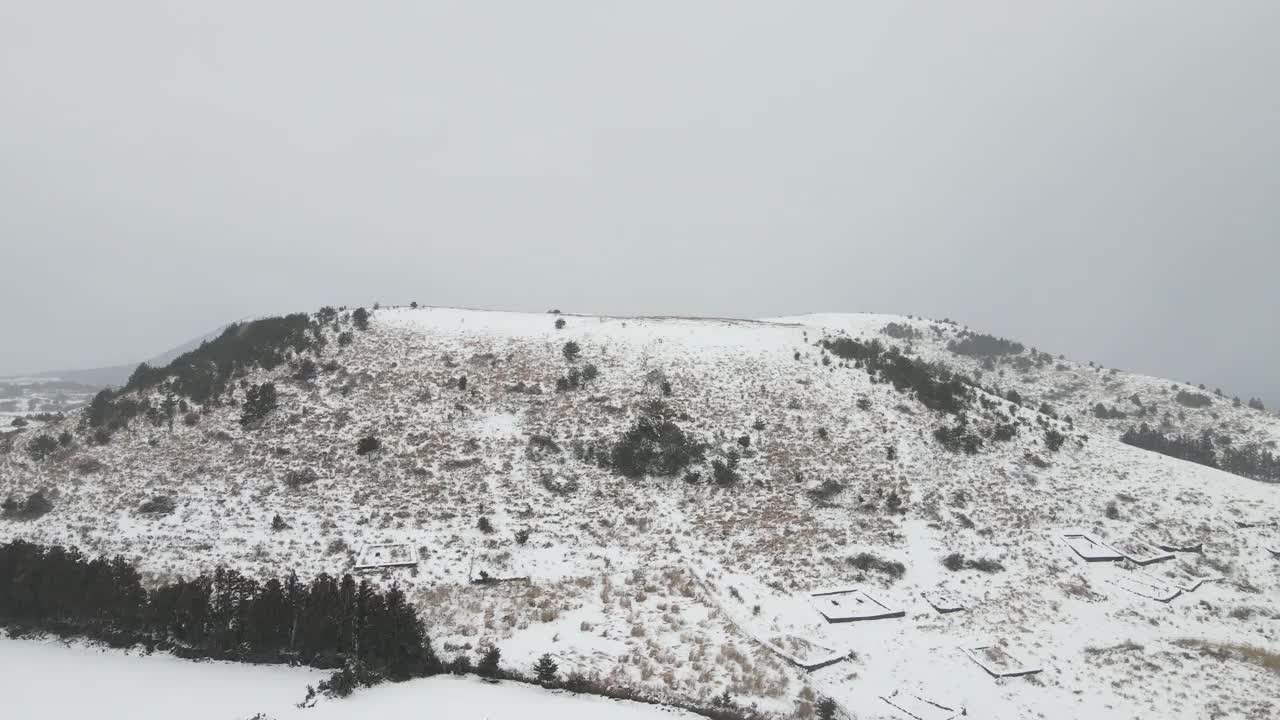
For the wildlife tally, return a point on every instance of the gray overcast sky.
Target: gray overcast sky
(1100, 179)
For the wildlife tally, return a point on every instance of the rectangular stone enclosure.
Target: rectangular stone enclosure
(1090, 548)
(389, 555)
(850, 605)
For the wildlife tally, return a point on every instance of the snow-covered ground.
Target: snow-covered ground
(668, 585)
(49, 679)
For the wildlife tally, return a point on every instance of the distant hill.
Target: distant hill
(655, 501)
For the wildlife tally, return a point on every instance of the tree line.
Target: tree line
(1249, 461)
(368, 635)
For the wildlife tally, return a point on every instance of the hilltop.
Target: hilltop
(668, 490)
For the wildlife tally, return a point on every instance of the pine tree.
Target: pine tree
(545, 670)
(488, 666)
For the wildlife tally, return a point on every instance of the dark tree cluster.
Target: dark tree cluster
(259, 401)
(1102, 412)
(1184, 447)
(977, 345)
(36, 505)
(328, 623)
(959, 437)
(900, 331)
(41, 447)
(1249, 461)
(1192, 400)
(935, 387)
(655, 445)
(204, 373)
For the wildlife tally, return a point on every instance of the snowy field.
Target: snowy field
(48, 679)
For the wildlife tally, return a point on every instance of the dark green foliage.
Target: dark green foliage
(65, 439)
(1013, 397)
(484, 524)
(1251, 461)
(522, 536)
(864, 403)
(18, 423)
(867, 562)
(900, 331)
(976, 345)
(259, 401)
(725, 472)
(345, 338)
(329, 623)
(1054, 439)
(959, 437)
(278, 524)
(934, 386)
(1112, 511)
(559, 323)
(571, 351)
(488, 665)
(204, 373)
(1256, 404)
(326, 315)
(307, 371)
(41, 447)
(1197, 450)
(590, 372)
(367, 445)
(546, 670)
(826, 709)
(1192, 400)
(360, 318)
(655, 445)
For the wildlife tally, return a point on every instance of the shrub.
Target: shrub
(18, 423)
(65, 439)
(158, 505)
(1256, 404)
(571, 351)
(191, 419)
(278, 524)
(295, 479)
(307, 371)
(546, 671)
(41, 447)
(37, 504)
(590, 372)
(1112, 512)
(522, 536)
(559, 323)
(827, 709)
(484, 525)
(367, 445)
(345, 338)
(867, 562)
(957, 561)
(725, 472)
(1054, 439)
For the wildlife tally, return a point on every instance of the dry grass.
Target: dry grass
(1266, 659)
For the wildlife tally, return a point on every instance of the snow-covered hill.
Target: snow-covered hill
(814, 473)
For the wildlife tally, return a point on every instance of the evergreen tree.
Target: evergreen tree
(546, 670)
(488, 665)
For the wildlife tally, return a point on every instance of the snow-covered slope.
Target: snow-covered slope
(682, 586)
